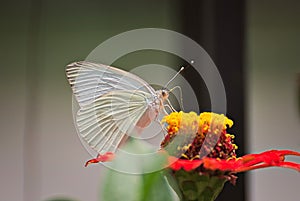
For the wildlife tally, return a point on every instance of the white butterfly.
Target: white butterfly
(112, 103)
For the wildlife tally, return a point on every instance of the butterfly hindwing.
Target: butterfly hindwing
(104, 123)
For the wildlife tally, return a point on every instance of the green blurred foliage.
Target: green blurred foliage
(60, 199)
(137, 182)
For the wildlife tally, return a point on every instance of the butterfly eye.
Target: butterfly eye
(164, 93)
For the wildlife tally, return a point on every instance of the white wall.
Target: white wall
(273, 61)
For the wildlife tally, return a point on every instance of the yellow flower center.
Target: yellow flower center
(193, 130)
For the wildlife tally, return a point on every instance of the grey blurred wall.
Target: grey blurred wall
(272, 59)
(41, 155)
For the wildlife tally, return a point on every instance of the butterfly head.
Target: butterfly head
(163, 94)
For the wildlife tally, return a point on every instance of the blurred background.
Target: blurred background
(254, 43)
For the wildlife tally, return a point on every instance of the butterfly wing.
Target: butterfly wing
(103, 124)
(90, 80)
(111, 103)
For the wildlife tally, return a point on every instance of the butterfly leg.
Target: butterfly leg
(170, 107)
(162, 127)
(164, 109)
(180, 96)
(108, 156)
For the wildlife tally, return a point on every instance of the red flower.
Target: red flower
(222, 155)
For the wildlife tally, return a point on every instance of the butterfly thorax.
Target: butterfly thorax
(162, 95)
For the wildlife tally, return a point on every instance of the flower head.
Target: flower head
(201, 143)
(204, 135)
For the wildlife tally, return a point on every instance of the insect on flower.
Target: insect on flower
(113, 103)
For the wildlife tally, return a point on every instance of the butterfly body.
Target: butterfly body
(113, 104)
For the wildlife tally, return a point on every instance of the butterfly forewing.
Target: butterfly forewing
(89, 81)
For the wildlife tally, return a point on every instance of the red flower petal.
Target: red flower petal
(188, 165)
(248, 162)
(108, 156)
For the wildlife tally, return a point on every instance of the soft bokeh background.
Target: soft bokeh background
(272, 66)
(41, 155)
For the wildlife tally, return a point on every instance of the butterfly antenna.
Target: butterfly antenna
(177, 87)
(181, 69)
